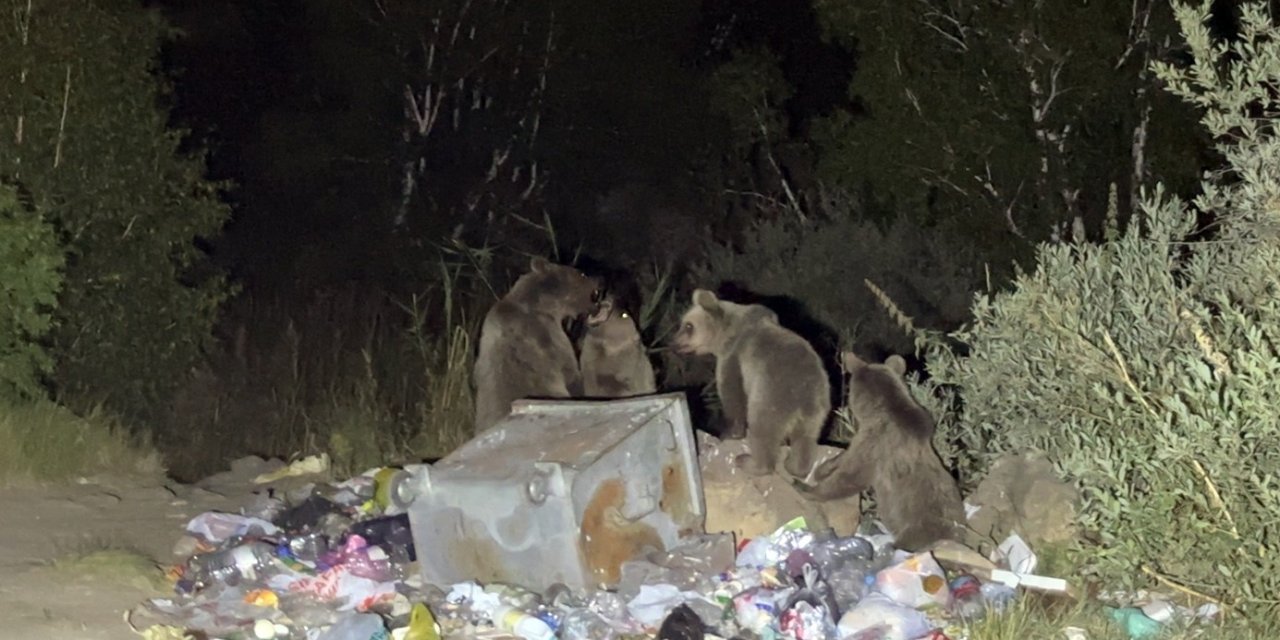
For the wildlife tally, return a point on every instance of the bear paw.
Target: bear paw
(797, 474)
(751, 465)
(803, 489)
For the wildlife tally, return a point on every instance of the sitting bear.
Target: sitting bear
(613, 359)
(524, 350)
(892, 453)
(771, 382)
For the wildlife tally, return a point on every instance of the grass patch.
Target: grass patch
(45, 442)
(1033, 617)
(111, 564)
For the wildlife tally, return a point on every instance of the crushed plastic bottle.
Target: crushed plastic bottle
(249, 563)
(357, 626)
(997, 595)
(847, 564)
(585, 624)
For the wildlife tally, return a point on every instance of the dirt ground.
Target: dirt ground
(75, 558)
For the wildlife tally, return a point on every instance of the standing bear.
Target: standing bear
(524, 350)
(771, 382)
(613, 359)
(893, 455)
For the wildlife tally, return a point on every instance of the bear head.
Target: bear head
(706, 327)
(879, 393)
(613, 327)
(557, 289)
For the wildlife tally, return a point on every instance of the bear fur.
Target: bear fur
(613, 359)
(771, 383)
(893, 455)
(524, 350)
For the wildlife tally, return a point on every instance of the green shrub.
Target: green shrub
(1148, 366)
(86, 132)
(31, 263)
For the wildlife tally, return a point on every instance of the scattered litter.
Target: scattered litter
(351, 560)
(311, 465)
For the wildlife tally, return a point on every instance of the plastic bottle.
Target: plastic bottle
(846, 564)
(248, 563)
(997, 595)
(585, 624)
(520, 623)
(358, 626)
(830, 550)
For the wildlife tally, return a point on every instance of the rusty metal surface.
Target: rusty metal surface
(560, 491)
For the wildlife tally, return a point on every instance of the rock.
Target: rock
(748, 507)
(1022, 493)
(955, 556)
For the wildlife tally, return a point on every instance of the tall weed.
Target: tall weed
(45, 442)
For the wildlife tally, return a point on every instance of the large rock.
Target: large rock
(749, 507)
(1022, 494)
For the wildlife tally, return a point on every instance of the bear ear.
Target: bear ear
(705, 299)
(539, 264)
(851, 361)
(896, 364)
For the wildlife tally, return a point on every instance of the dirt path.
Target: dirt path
(54, 585)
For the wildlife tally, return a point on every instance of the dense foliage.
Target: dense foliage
(85, 132)
(1146, 365)
(31, 261)
(996, 114)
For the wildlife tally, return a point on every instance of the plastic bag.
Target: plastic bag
(879, 616)
(917, 582)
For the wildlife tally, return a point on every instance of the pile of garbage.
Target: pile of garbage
(335, 562)
(588, 522)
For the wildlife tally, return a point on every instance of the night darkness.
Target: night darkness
(386, 168)
(1010, 266)
(300, 106)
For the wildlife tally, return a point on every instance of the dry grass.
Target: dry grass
(368, 377)
(45, 442)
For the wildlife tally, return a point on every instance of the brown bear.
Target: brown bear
(613, 359)
(892, 454)
(524, 350)
(770, 381)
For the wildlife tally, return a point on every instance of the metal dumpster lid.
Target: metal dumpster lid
(560, 431)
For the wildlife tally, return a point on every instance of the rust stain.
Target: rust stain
(607, 539)
(676, 501)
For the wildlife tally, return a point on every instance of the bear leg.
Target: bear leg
(803, 447)
(763, 456)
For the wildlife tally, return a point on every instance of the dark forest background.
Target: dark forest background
(284, 218)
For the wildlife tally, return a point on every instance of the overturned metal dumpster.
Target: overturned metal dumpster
(560, 491)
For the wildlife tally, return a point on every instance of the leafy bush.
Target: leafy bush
(1147, 365)
(31, 261)
(85, 130)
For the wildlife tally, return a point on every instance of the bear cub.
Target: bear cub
(613, 358)
(772, 384)
(524, 349)
(893, 455)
